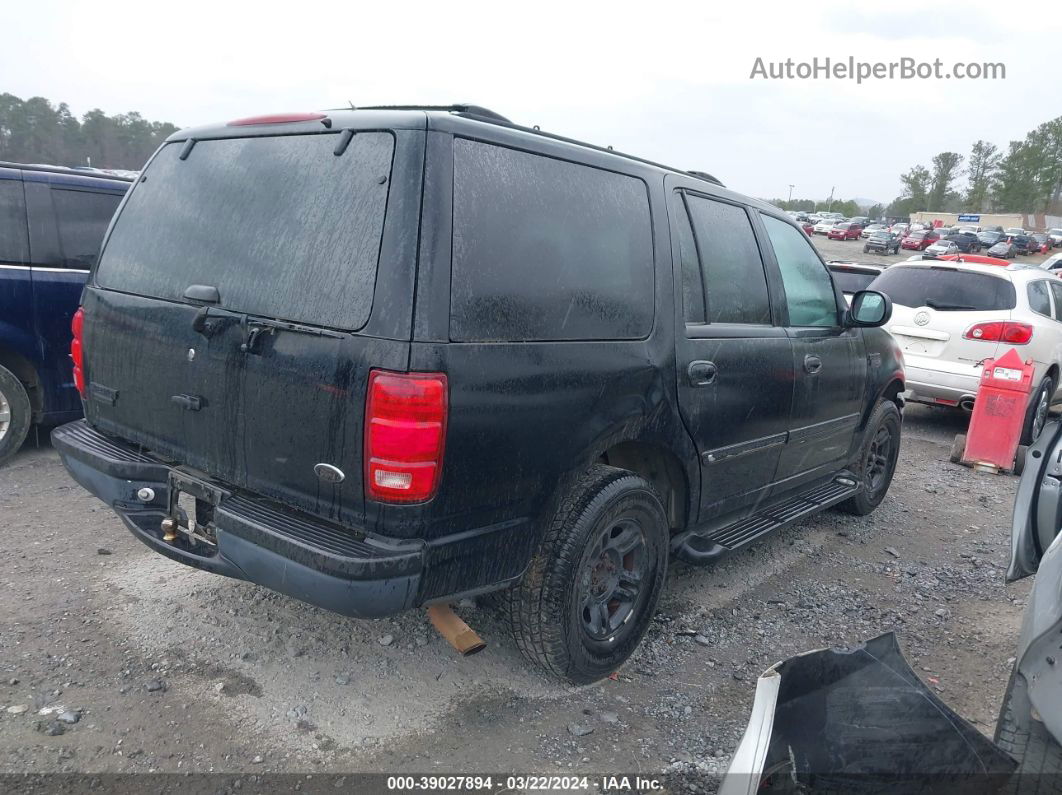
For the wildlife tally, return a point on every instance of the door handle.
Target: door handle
(812, 364)
(701, 373)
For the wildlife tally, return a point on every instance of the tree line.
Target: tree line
(1026, 177)
(846, 207)
(36, 131)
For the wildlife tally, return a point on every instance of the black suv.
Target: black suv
(383, 358)
(967, 242)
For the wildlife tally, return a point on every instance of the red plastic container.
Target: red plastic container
(999, 412)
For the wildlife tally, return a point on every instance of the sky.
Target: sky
(663, 80)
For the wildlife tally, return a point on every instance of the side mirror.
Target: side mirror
(869, 309)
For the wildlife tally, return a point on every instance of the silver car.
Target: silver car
(1030, 721)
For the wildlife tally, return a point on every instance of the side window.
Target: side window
(1056, 291)
(13, 243)
(544, 249)
(808, 289)
(692, 286)
(1039, 301)
(81, 218)
(734, 281)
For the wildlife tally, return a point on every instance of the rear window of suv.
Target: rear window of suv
(282, 226)
(946, 289)
(545, 249)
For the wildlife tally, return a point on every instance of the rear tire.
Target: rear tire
(592, 588)
(1038, 754)
(16, 414)
(877, 459)
(958, 448)
(1037, 411)
(1019, 459)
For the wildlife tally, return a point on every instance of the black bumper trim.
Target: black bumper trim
(339, 569)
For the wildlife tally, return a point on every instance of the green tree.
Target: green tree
(1015, 185)
(876, 211)
(35, 131)
(916, 188)
(945, 170)
(984, 160)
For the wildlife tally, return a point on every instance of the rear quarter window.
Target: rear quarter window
(13, 244)
(1039, 302)
(81, 217)
(946, 289)
(545, 249)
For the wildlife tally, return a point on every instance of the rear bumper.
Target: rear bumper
(926, 385)
(340, 569)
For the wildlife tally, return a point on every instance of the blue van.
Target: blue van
(52, 221)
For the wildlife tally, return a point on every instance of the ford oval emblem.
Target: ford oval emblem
(328, 473)
(921, 318)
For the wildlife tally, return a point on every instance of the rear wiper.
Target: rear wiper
(209, 319)
(944, 307)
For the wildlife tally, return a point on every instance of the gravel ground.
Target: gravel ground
(114, 659)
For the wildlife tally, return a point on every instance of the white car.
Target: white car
(900, 229)
(948, 318)
(1052, 263)
(823, 226)
(940, 248)
(1056, 236)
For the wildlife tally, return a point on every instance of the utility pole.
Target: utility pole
(790, 194)
(829, 204)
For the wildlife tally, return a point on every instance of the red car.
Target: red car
(845, 231)
(809, 228)
(920, 240)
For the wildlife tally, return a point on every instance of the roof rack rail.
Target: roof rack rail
(485, 114)
(462, 108)
(127, 175)
(707, 177)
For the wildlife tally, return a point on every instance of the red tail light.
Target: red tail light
(77, 351)
(405, 430)
(1000, 331)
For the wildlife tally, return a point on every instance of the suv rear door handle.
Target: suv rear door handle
(701, 373)
(812, 364)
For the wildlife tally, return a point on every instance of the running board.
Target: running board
(699, 547)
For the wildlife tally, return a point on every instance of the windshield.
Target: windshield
(945, 289)
(917, 235)
(281, 226)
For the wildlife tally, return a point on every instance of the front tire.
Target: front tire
(592, 588)
(16, 414)
(877, 459)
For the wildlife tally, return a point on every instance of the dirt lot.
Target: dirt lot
(170, 669)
